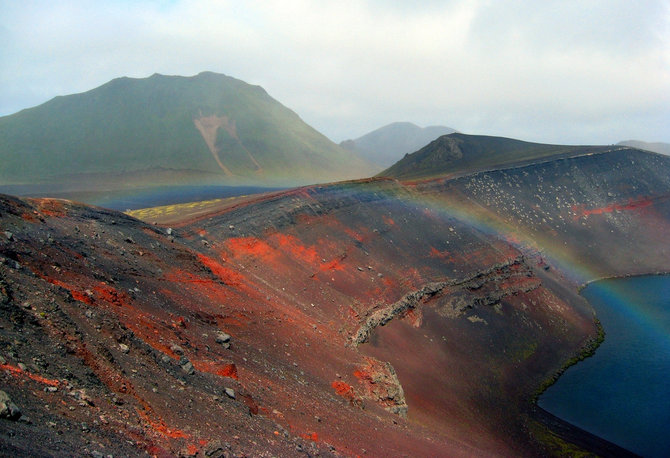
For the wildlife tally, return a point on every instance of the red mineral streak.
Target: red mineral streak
(142, 324)
(314, 437)
(444, 255)
(229, 370)
(226, 275)
(335, 264)
(294, 248)
(216, 368)
(362, 375)
(17, 371)
(581, 210)
(159, 426)
(354, 235)
(343, 389)
(76, 294)
(196, 286)
(81, 297)
(250, 246)
(112, 296)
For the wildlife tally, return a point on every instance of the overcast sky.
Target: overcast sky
(563, 71)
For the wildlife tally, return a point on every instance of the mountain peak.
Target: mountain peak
(205, 129)
(461, 153)
(389, 143)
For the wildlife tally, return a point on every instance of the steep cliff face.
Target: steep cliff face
(334, 319)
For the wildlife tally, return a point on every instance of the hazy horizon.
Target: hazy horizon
(552, 72)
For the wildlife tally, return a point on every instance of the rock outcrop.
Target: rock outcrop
(455, 296)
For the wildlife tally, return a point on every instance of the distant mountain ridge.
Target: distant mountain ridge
(388, 144)
(206, 129)
(656, 147)
(460, 153)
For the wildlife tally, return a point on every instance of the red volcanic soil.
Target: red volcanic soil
(336, 320)
(580, 211)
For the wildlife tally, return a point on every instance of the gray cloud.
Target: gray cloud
(554, 71)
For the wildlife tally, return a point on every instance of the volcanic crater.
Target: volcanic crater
(365, 317)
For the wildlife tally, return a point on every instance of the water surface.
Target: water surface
(168, 195)
(622, 393)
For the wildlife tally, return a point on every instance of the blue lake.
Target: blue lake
(622, 393)
(168, 195)
(133, 199)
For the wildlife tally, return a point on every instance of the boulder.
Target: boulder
(222, 337)
(8, 409)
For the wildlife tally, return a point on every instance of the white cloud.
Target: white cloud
(558, 71)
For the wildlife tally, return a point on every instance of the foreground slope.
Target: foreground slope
(461, 153)
(388, 144)
(205, 129)
(363, 317)
(122, 320)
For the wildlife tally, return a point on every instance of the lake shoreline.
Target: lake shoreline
(564, 429)
(572, 435)
(592, 344)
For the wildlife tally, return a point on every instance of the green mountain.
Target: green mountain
(656, 147)
(384, 146)
(460, 153)
(205, 129)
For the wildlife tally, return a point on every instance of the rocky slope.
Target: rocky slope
(586, 211)
(352, 318)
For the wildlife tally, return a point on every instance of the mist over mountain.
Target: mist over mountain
(388, 144)
(656, 147)
(205, 129)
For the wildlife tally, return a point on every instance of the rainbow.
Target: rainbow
(556, 252)
(551, 250)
